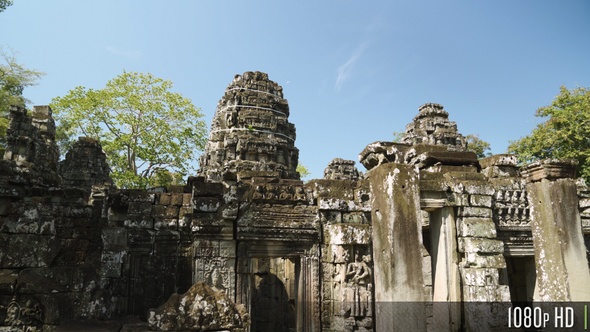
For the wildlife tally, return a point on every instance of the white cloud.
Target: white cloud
(133, 55)
(345, 69)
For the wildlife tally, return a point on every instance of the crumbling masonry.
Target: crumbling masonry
(429, 239)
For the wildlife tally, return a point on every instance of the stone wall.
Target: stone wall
(430, 238)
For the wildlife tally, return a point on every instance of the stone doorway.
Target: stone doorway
(273, 304)
(522, 277)
(279, 284)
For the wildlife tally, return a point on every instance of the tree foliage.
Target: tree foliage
(303, 171)
(477, 145)
(4, 4)
(398, 136)
(150, 134)
(14, 78)
(564, 134)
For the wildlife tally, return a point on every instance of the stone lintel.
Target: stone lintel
(499, 160)
(432, 204)
(550, 169)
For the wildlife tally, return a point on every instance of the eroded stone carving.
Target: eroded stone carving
(432, 126)
(340, 169)
(250, 134)
(200, 309)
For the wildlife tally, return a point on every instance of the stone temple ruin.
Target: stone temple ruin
(429, 239)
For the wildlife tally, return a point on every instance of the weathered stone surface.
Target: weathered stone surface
(85, 165)
(250, 132)
(550, 169)
(347, 234)
(23, 254)
(201, 308)
(481, 245)
(381, 152)
(432, 126)
(558, 240)
(340, 169)
(476, 227)
(396, 246)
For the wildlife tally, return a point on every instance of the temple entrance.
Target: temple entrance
(521, 279)
(279, 285)
(274, 294)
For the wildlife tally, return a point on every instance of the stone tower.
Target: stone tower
(251, 135)
(432, 126)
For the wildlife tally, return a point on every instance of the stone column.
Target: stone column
(560, 253)
(399, 286)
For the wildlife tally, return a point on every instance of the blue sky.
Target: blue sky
(353, 71)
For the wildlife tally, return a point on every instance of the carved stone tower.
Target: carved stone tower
(250, 133)
(432, 126)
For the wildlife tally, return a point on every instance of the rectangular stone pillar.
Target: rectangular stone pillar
(399, 286)
(447, 289)
(560, 253)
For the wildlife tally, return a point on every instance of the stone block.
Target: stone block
(230, 211)
(144, 208)
(43, 225)
(111, 264)
(160, 224)
(207, 204)
(476, 227)
(146, 223)
(23, 253)
(207, 189)
(159, 211)
(481, 245)
(140, 236)
(363, 197)
(480, 200)
(78, 212)
(176, 199)
(479, 212)
(480, 277)
(137, 195)
(333, 204)
(485, 260)
(164, 198)
(171, 212)
(461, 199)
(499, 160)
(354, 217)
(347, 234)
(114, 237)
(500, 171)
(186, 199)
(333, 217)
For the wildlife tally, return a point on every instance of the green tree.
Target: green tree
(4, 4)
(397, 136)
(303, 171)
(150, 134)
(564, 134)
(477, 145)
(14, 77)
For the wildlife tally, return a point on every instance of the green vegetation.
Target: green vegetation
(477, 145)
(14, 77)
(150, 134)
(303, 171)
(564, 134)
(4, 4)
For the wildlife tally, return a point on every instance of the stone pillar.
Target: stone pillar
(446, 288)
(560, 253)
(400, 294)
